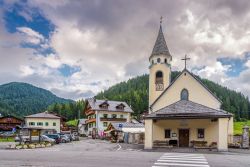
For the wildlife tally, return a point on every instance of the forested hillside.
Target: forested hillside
(21, 99)
(71, 110)
(135, 93)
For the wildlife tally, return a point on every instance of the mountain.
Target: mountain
(21, 99)
(135, 93)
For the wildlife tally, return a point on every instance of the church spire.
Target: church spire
(160, 47)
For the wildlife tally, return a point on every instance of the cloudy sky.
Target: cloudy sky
(78, 48)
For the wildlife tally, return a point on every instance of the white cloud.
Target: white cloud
(31, 36)
(215, 72)
(111, 45)
(26, 70)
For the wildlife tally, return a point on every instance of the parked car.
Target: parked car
(47, 139)
(75, 137)
(54, 136)
(26, 139)
(69, 136)
(64, 138)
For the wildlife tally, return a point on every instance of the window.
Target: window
(121, 116)
(184, 94)
(152, 61)
(165, 61)
(159, 77)
(39, 124)
(167, 133)
(105, 115)
(104, 106)
(201, 133)
(120, 107)
(46, 124)
(105, 124)
(158, 60)
(90, 125)
(114, 115)
(54, 124)
(32, 123)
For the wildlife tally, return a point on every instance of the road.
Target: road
(97, 153)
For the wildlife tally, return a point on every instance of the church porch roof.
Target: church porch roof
(184, 109)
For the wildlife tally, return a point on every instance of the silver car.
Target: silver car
(34, 138)
(47, 139)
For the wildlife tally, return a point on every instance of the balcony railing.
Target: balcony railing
(91, 120)
(89, 112)
(114, 119)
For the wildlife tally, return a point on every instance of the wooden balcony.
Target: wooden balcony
(90, 120)
(89, 112)
(114, 119)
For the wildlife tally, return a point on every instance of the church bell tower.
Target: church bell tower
(160, 68)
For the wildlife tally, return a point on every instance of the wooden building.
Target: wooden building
(8, 123)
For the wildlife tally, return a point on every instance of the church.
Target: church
(183, 111)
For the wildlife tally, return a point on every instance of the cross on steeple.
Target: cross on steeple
(185, 59)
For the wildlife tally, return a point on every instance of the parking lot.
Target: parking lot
(96, 153)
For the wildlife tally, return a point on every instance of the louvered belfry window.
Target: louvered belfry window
(159, 77)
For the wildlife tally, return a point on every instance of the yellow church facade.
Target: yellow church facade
(184, 111)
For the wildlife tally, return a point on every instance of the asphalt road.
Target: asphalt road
(96, 153)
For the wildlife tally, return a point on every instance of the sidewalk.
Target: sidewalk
(4, 145)
(140, 147)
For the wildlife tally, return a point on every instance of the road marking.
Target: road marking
(119, 147)
(196, 162)
(181, 159)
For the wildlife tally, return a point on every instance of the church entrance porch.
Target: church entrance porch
(195, 133)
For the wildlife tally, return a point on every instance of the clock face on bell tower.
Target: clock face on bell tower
(159, 87)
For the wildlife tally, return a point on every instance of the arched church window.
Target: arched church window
(184, 94)
(158, 60)
(165, 60)
(159, 77)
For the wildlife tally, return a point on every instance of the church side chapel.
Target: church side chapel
(184, 112)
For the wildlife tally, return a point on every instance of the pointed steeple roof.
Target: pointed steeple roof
(160, 47)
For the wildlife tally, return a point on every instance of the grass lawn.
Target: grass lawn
(10, 139)
(239, 125)
(72, 122)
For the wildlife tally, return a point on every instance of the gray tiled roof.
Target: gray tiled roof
(127, 125)
(43, 115)
(188, 109)
(160, 46)
(95, 105)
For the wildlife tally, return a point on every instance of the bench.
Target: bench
(203, 145)
(199, 144)
(161, 143)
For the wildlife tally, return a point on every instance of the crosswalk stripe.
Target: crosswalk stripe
(182, 156)
(196, 162)
(181, 159)
(181, 164)
(191, 159)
